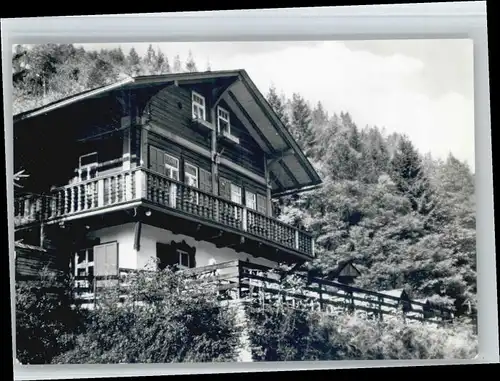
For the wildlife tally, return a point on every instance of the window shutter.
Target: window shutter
(153, 162)
(160, 161)
(106, 259)
(192, 259)
(205, 181)
(261, 204)
(166, 255)
(225, 188)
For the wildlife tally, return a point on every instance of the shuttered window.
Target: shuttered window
(163, 163)
(205, 181)
(156, 160)
(106, 259)
(225, 188)
(191, 175)
(261, 204)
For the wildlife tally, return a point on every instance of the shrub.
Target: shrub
(167, 317)
(43, 316)
(281, 333)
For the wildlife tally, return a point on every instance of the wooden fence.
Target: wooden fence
(243, 280)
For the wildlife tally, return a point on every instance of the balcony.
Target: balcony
(142, 187)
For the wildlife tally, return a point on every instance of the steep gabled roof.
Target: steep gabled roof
(289, 168)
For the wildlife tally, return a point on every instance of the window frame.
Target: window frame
(171, 168)
(196, 105)
(181, 252)
(188, 175)
(227, 120)
(239, 188)
(254, 198)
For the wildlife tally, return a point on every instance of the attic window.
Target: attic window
(198, 102)
(223, 123)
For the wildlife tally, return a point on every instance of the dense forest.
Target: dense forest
(405, 219)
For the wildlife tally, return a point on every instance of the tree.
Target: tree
(190, 64)
(149, 60)
(177, 68)
(277, 103)
(161, 65)
(300, 124)
(102, 73)
(133, 63)
(410, 178)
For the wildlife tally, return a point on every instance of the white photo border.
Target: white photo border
(446, 20)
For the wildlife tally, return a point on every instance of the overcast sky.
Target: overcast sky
(423, 88)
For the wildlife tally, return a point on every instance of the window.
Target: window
(87, 166)
(84, 262)
(191, 175)
(172, 167)
(198, 102)
(184, 260)
(235, 194)
(223, 124)
(251, 200)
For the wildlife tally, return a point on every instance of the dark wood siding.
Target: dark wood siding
(183, 154)
(171, 109)
(248, 154)
(246, 185)
(31, 262)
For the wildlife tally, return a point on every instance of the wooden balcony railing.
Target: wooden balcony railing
(144, 185)
(251, 282)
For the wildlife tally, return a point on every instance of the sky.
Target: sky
(422, 88)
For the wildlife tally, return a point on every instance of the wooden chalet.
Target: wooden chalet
(178, 168)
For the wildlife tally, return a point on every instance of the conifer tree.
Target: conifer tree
(177, 66)
(190, 64)
(277, 103)
(133, 63)
(161, 64)
(300, 124)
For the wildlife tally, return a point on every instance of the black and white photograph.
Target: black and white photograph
(257, 201)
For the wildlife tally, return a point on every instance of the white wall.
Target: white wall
(150, 235)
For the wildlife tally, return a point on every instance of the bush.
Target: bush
(43, 316)
(167, 317)
(281, 333)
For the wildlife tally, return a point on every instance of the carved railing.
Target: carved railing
(141, 184)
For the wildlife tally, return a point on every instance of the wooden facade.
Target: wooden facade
(198, 154)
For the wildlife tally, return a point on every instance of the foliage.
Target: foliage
(282, 333)
(406, 220)
(166, 318)
(43, 316)
(49, 72)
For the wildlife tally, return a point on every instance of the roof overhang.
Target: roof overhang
(289, 169)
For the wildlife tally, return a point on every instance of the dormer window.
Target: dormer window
(199, 109)
(223, 123)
